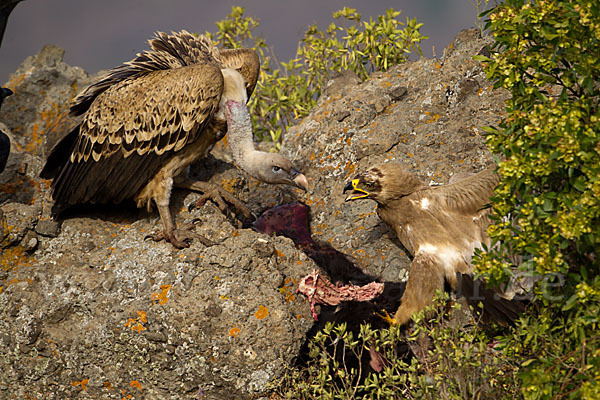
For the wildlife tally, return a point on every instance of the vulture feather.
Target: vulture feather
(147, 120)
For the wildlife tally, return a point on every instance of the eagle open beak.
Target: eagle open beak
(357, 193)
(299, 179)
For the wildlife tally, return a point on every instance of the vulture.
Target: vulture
(146, 121)
(440, 227)
(4, 140)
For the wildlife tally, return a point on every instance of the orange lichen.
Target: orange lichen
(432, 117)
(228, 184)
(162, 297)
(21, 184)
(279, 254)
(107, 385)
(136, 384)
(233, 332)
(136, 323)
(15, 81)
(262, 313)
(142, 316)
(287, 290)
(14, 257)
(83, 383)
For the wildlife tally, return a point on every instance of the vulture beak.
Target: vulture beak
(298, 179)
(357, 193)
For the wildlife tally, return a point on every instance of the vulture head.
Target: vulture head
(383, 183)
(267, 167)
(276, 169)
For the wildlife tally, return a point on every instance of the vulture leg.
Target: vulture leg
(180, 238)
(215, 193)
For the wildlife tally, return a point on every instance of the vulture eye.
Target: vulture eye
(276, 169)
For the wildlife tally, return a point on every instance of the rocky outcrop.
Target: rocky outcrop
(90, 309)
(427, 115)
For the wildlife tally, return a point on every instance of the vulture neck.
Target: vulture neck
(241, 144)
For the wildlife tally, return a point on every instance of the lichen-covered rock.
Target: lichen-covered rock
(94, 310)
(37, 112)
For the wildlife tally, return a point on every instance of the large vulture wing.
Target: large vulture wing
(179, 49)
(131, 128)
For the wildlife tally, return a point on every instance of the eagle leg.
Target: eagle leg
(180, 238)
(426, 276)
(215, 193)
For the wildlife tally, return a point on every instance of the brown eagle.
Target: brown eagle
(439, 226)
(147, 120)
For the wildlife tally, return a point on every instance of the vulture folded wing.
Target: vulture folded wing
(168, 52)
(132, 128)
(246, 62)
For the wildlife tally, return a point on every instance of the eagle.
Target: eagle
(4, 140)
(146, 121)
(439, 226)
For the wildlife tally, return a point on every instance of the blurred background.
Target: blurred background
(102, 34)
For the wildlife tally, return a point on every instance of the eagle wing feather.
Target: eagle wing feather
(468, 195)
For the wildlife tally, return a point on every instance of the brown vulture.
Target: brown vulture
(440, 227)
(147, 120)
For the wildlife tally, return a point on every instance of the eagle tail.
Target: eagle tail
(493, 306)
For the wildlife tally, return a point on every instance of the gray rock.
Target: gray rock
(43, 86)
(48, 227)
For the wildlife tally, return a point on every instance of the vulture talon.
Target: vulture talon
(180, 238)
(221, 197)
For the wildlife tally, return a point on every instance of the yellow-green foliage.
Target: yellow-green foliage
(547, 54)
(451, 362)
(287, 91)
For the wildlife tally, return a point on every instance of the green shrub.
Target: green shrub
(452, 361)
(548, 202)
(286, 92)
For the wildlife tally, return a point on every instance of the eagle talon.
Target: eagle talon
(386, 317)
